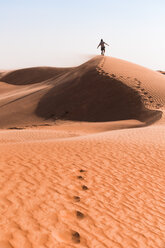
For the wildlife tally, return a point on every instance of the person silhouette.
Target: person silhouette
(102, 44)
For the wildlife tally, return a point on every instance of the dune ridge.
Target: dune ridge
(163, 72)
(74, 176)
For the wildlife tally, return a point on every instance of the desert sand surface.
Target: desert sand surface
(82, 159)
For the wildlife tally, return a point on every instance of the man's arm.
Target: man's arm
(106, 44)
(99, 45)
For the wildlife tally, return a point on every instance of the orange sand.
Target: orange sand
(45, 167)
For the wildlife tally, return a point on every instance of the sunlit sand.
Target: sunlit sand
(82, 156)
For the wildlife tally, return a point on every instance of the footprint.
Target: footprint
(113, 75)
(159, 105)
(79, 215)
(77, 198)
(82, 170)
(137, 86)
(80, 177)
(142, 89)
(76, 237)
(62, 234)
(150, 97)
(145, 93)
(84, 187)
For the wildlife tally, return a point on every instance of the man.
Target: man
(102, 44)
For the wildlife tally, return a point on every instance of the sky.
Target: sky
(66, 32)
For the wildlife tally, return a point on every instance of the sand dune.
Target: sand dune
(32, 75)
(163, 72)
(87, 168)
(84, 93)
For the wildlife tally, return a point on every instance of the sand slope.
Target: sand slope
(84, 184)
(84, 93)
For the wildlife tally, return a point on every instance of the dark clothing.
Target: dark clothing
(102, 44)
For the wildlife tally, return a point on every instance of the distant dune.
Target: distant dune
(84, 93)
(163, 72)
(32, 75)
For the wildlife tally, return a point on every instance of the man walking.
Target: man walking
(102, 44)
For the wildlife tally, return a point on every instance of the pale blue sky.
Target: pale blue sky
(67, 32)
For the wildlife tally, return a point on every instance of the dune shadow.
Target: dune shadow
(32, 75)
(85, 95)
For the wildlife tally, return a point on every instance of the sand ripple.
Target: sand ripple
(123, 205)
